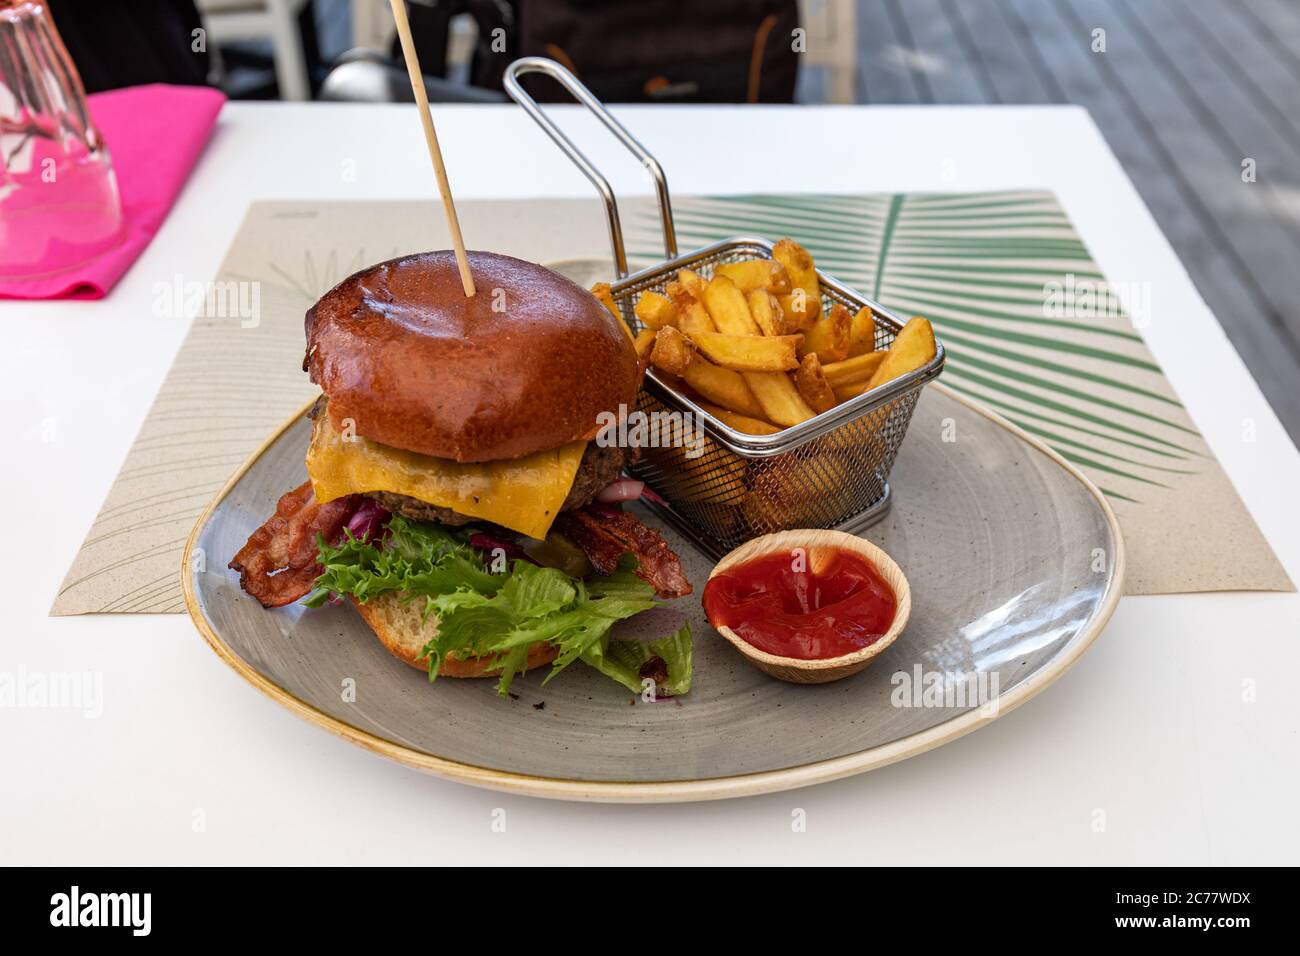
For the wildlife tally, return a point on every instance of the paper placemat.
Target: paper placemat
(982, 266)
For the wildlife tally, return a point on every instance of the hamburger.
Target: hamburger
(461, 494)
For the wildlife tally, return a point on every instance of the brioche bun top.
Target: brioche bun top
(525, 365)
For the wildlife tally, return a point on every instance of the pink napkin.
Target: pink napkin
(154, 134)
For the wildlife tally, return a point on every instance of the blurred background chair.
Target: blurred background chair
(231, 21)
(831, 37)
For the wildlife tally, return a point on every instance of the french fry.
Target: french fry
(795, 309)
(911, 348)
(860, 368)
(780, 401)
(749, 353)
(697, 478)
(655, 310)
(767, 313)
(678, 294)
(722, 386)
(852, 390)
(672, 351)
(828, 337)
(643, 343)
(692, 281)
(778, 497)
(691, 314)
(803, 278)
(695, 319)
(862, 333)
(811, 382)
(741, 423)
(602, 292)
(733, 344)
(752, 274)
(694, 476)
(727, 307)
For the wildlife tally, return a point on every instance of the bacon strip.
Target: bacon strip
(278, 563)
(606, 535)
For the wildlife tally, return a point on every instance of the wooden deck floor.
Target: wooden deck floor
(1186, 90)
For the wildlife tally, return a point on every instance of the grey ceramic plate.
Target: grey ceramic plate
(1015, 563)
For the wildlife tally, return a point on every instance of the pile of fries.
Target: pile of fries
(753, 346)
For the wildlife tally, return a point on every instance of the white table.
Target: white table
(1149, 733)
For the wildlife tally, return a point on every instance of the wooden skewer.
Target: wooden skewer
(431, 137)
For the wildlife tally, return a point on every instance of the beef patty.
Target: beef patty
(599, 466)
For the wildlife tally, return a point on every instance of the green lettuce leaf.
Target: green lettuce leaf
(498, 615)
(623, 660)
(421, 559)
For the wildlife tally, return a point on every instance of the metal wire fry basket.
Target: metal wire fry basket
(831, 471)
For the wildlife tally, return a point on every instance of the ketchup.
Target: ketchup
(824, 603)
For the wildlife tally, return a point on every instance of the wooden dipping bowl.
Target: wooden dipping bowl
(796, 670)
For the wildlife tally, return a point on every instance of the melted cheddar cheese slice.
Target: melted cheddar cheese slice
(524, 494)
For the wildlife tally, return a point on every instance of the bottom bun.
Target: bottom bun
(402, 629)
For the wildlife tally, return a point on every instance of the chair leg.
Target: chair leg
(290, 59)
(842, 83)
(372, 24)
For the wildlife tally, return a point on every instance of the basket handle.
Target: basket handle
(539, 64)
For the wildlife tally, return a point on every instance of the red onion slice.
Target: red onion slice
(649, 494)
(624, 489)
(367, 521)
